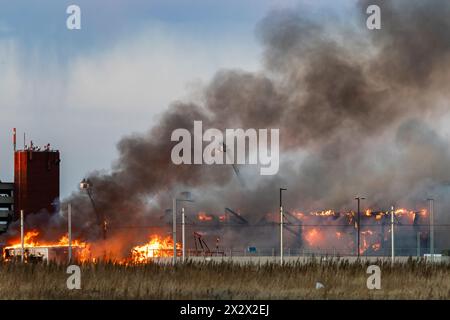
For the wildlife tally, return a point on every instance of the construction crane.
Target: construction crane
(288, 227)
(235, 168)
(237, 215)
(85, 184)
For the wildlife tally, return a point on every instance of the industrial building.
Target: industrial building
(58, 253)
(6, 205)
(36, 183)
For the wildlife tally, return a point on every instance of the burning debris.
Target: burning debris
(39, 251)
(157, 247)
(328, 231)
(45, 251)
(204, 217)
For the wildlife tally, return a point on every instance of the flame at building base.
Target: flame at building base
(35, 250)
(157, 247)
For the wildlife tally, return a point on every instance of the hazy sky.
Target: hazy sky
(83, 90)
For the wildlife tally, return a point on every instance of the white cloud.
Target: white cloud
(85, 105)
(148, 71)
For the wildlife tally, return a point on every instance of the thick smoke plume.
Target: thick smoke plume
(357, 112)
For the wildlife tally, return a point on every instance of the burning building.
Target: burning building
(35, 251)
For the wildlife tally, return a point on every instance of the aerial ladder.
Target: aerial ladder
(101, 219)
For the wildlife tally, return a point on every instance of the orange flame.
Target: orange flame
(202, 216)
(156, 247)
(313, 236)
(30, 241)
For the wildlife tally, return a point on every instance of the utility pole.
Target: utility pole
(186, 197)
(281, 224)
(183, 234)
(418, 244)
(174, 229)
(359, 226)
(69, 231)
(22, 244)
(431, 209)
(392, 236)
(15, 139)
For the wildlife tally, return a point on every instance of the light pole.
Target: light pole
(359, 225)
(186, 198)
(418, 244)
(22, 243)
(69, 231)
(392, 236)
(183, 236)
(281, 224)
(174, 230)
(431, 209)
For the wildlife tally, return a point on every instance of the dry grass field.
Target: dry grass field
(412, 280)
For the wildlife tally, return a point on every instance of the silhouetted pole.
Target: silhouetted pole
(186, 197)
(431, 208)
(358, 248)
(418, 244)
(174, 229)
(392, 236)
(69, 232)
(22, 244)
(281, 224)
(183, 234)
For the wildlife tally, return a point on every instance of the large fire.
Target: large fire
(314, 237)
(324, 230)
(155, 248)
(336, 231)
(31, 243)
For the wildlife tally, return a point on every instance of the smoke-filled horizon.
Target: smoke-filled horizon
(358, 113)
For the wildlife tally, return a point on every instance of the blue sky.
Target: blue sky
(83, 90)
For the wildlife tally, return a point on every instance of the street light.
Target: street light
(281, 224)
(431, 209)
(69, 230)
(392, 235)
(186, 197)
(359, 224)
